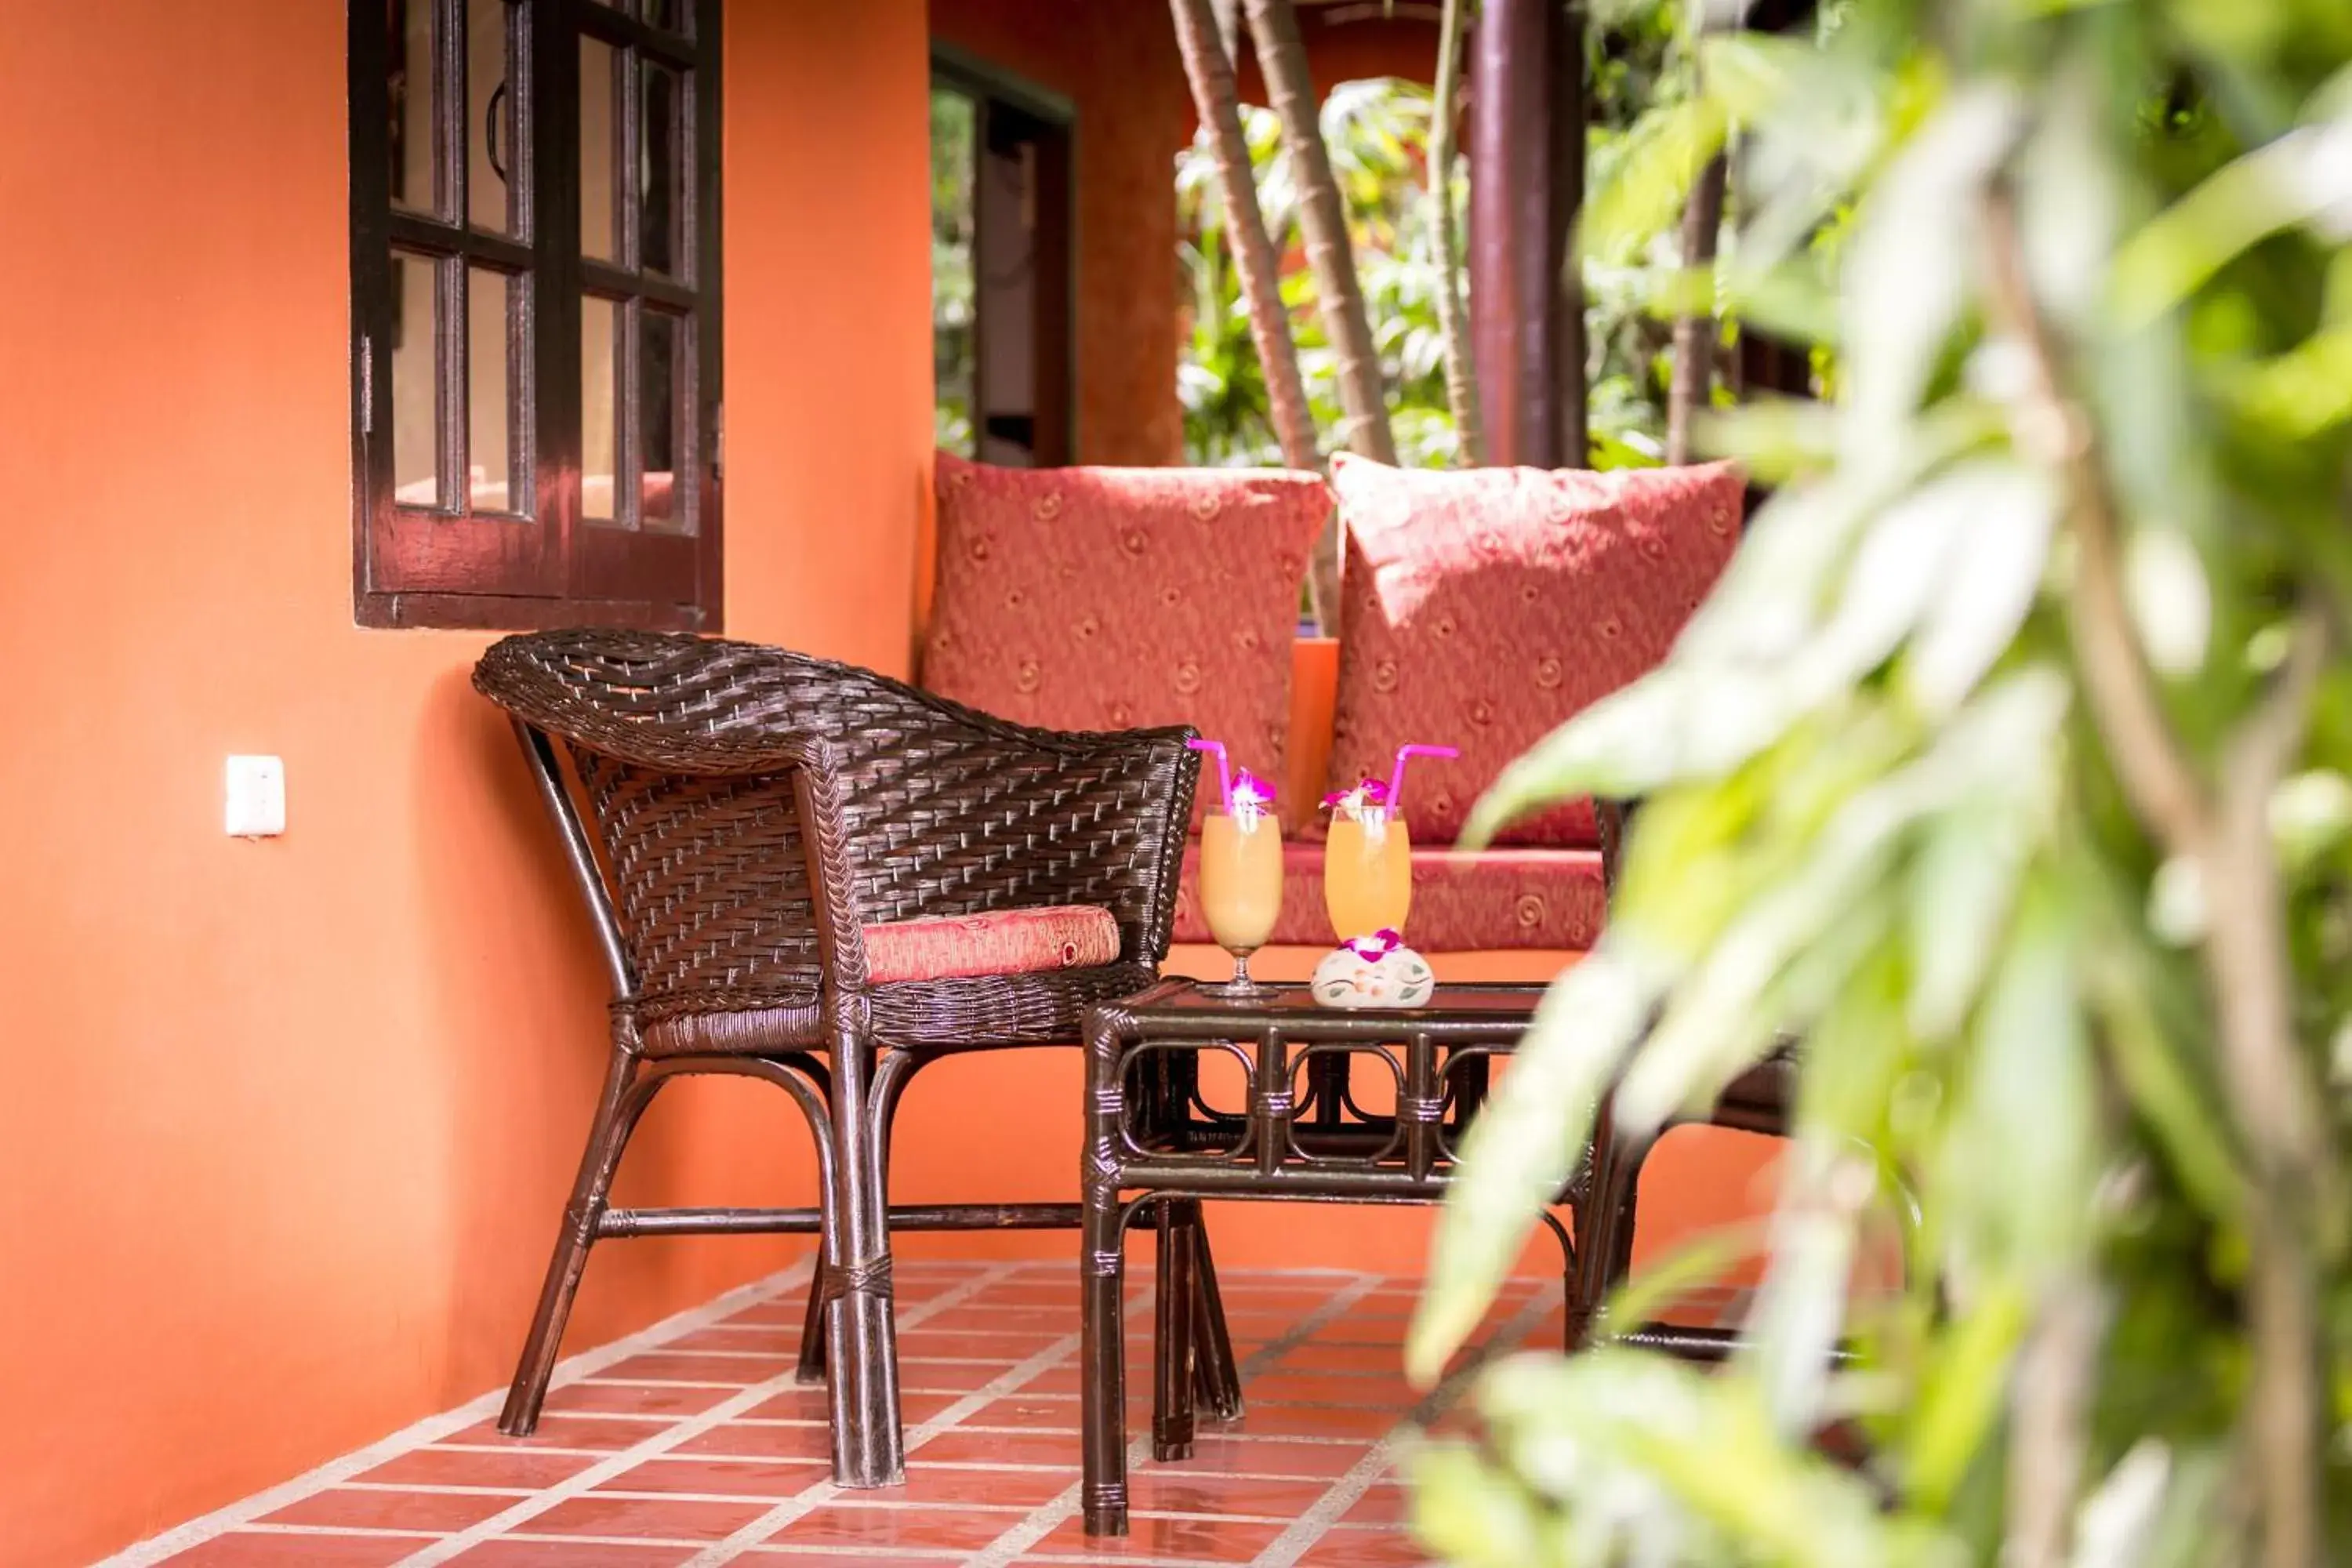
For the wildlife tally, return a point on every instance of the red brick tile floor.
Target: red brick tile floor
(689, 1445)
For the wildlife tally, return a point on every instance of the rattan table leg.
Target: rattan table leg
(1102, 1275)
(1171, 1360)
(1102, 1356)
(1604, 1241)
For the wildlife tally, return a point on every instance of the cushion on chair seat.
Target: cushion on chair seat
(1000, 941)
(1494, 899)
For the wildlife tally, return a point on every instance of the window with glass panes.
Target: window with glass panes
(535, 312)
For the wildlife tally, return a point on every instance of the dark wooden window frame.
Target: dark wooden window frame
(543, 564)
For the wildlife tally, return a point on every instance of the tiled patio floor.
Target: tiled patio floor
(693, 1446)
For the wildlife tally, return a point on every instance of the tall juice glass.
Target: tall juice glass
(1240, 887)
(1366, 873)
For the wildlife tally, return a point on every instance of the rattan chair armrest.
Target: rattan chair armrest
(1165, 812)
(1615, 818)
(1169, 743)
(818, 790)
(1092, 818)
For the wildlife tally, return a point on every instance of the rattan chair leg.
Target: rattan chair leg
(1102, 1360)
(889, 1087)
(608, 1135)
(1216, 1374)
(811, 1368)
(1172, 1345)
(861, 1339)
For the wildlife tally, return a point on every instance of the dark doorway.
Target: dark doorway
(1002, 264)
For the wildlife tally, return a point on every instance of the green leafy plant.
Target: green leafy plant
(1377, 134)
(954, 118)
(2009, 770)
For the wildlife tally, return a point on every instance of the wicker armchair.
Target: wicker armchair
(753, 812)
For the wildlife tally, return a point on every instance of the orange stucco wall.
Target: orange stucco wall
(1363, 46)
(287, 1126)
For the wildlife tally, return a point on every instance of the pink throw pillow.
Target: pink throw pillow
(996, 943)
(1484, 607)
(1121, 598)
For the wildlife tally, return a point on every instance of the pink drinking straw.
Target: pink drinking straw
(1224, 770)
(1396, 777)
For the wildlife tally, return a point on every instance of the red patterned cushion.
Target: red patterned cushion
(1495, 900)
(1114, 598)
(1002, 941)
(1484, 607)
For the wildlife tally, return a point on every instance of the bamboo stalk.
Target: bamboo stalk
(1211, 74)
(1323, 223)
(1210, 71)
(1694, 354)
(1453, 316)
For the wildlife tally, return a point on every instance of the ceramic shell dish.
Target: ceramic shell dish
(1368, 973)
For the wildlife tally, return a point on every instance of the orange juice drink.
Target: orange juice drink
(1241, 879)
(1366, 873)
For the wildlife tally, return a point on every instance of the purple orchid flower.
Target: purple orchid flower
(1369, 796)
(1250, 797)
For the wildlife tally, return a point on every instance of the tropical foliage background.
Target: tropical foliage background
(1377, 134)
(2009, 771)
(954, 123)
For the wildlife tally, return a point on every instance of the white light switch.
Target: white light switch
(257, 797)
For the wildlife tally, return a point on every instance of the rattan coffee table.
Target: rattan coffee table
(1299, 1134)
